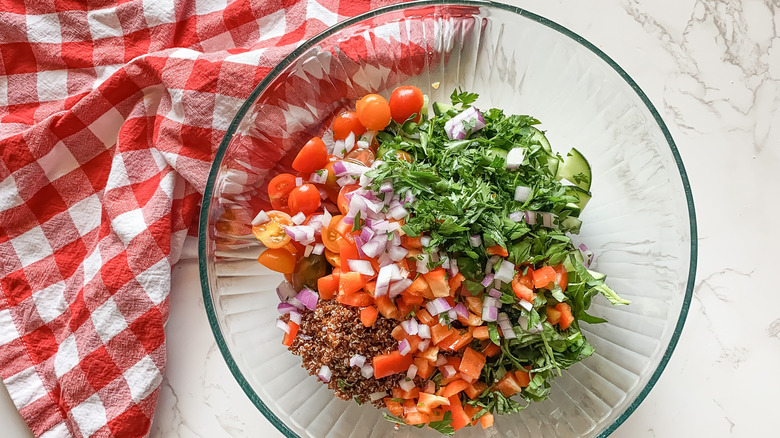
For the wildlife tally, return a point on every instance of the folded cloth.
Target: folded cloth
(110, 114)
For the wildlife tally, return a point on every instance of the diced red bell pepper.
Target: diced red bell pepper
(391, 363)
(543, 277)
(437, 280)
(459, 417)
(351, 282)
(472, 363)
(328, 286)
(357, 299)
(508, 385)
(289, 337)
(566, 317)
(427, 402)
(454, 387)
(368, 316)
(497, 250)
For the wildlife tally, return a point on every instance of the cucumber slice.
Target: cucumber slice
(441, 108)
(574, 257)
(571, 224)
(582, 196)
(492, 153)
(552, 161)
(575, 169)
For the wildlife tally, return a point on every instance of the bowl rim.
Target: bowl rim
(273, 74)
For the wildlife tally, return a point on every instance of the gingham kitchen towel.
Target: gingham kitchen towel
(110, 113)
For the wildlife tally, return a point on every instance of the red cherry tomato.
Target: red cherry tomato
(362, 156)
(404, 102)
(305, 198)
(279, 189)
(373, 111)
(312, 156)
(345, 123)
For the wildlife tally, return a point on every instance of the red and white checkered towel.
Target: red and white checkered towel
(110, 113)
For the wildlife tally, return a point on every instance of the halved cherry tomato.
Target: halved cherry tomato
(404, 102)
(333, 258)
(345, 123)
(403, 156)
(362, 156)
(330, 237)
(373, 111)
(279, 189)
(331, 181)
(342, 202)
(278, 259)
(305, 198)
(312, 156)
(272, 233)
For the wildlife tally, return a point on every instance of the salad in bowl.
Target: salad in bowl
(430, 259)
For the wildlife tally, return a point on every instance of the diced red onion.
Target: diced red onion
(411, 373)
(285, 308)
(424, 344)
(587, 255)
(338, 149)
(397, 253)
(425, 240)
(475, 241)
(295, 317)
(403, 347)
(409, 197)
(361, 266)
(506, 272)
(349, 142)
(398, 287)
(357, 360)
(424, 331)
(495, 293)
(430, 387)
(517, 216)
(489, 313)
(398, 212)
(530, 217)
(367, 371)
(454, 267)
(319, 176)
(383, 281)
(324, 374)
(297, 303)
(345, 181)
(379, 395)
(455, 127)
(308, 298)
(522, 193)
(461, 311)
(548, 220)
(348, 168)
(362, 144)
(386, 186)
(525, 304)
(285, 291)
(307, 250)
(366, 234)
(497, 284)
(452, 315)
(406, 385)
(302, 234)
(349, 220)
(487, 280)
(514, 158)
(440, 360)
(506, 326)
(384, 260)
(359, 245)
(410, 326)
(422, 265)
(283, 325)
(298, 181)
(490, 263)
(489, 301)
(438, 306)
(385, 226)
(370, 249)
(448, 371)
(261, 218)
(318, 249)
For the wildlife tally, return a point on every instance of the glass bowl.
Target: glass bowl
(640, 223)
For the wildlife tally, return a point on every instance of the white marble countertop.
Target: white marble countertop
(712, 68)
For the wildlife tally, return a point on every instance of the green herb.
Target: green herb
(444, 425)
(344, 385)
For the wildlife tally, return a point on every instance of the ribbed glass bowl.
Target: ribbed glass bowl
(640, 223)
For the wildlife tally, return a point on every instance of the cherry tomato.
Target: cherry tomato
(404, 102)
(305, 198)
(342, 202)
(345, 123)
(373, 111)
(362, 156)
(278, 259)
(312, 156)
(279, 189)
(272, 233)
(331, 182)
(330, 238)
(333, 258)
(403, 155)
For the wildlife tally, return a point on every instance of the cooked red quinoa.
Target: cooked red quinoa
(331, 334)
